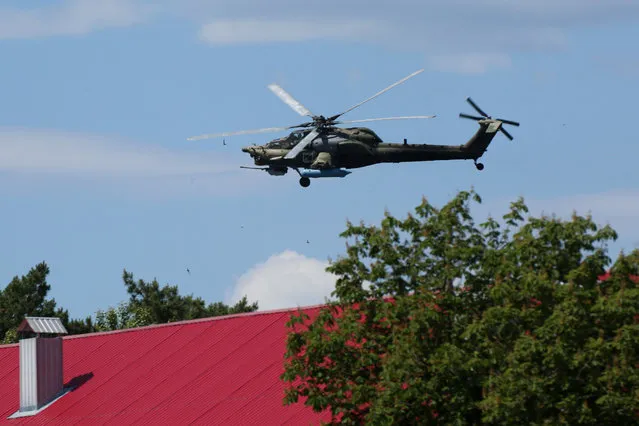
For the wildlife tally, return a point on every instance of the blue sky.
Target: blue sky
(98, 98)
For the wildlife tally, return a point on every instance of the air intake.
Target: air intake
(41, 370)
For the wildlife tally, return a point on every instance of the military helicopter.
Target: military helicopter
(320, 149)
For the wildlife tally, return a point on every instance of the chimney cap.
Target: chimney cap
(42, 325)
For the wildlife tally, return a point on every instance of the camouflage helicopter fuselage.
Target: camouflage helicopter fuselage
(355, 147)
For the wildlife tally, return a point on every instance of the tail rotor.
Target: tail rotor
(485, 116)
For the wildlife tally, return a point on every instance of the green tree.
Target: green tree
(148, 304)
(122, 316)
(164, 304)
(27, 296)
(78, 326)
(438, 319)
(11, 336)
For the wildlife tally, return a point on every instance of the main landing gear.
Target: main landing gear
(305, 182)
(479, 166)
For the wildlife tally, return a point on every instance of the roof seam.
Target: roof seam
(202, 373)
(123, 368)
(104, 342)
(8, 372)
(181, 368)
(195, 337)
(249, 401)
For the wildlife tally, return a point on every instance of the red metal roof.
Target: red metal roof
(607, 275)
(222, 370)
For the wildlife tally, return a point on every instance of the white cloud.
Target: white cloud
(618, 207)
(54, 152)
(242, 31)
(285, 280)
(471, 63)
(72, 17)
(455, 35)
(48, 157)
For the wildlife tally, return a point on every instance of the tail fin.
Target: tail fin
(479, 142)
(487, 131)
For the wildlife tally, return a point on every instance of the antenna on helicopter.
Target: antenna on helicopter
(487, 117)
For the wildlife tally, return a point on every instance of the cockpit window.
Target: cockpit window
(287, 142)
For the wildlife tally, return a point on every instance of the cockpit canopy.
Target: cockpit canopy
(287, 142)
(360, 134)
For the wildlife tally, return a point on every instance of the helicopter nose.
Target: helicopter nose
(246, 149)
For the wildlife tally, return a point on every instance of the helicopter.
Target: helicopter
(320, 149)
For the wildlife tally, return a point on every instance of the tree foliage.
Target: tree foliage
(438, 319)
(121, 317)
(27, 296)
(165, 304)
(148, 303)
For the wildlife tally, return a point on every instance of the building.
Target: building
(215, 371)
(221, 370)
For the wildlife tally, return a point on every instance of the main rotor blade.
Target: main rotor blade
(508, 135)
(301, 145)
(472, 117)
(514, 123)
(379, 93)
(470, 101)
(289, 100)
(386, 118)
(241, 132)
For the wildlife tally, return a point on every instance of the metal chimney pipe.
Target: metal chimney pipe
(41, 362)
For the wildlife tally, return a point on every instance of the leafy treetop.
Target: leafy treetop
(439, 319)
(151, 304)
(27, 296)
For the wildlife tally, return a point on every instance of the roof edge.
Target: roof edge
(193, 321)
(184, 322)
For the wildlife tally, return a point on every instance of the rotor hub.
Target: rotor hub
(318, 123)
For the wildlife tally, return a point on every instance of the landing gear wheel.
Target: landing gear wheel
(479, 166)
(305, 182)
